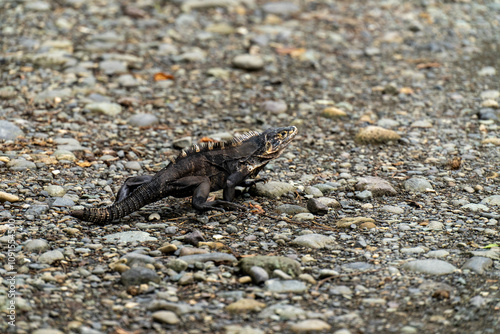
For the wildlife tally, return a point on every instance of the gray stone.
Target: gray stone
(110, 67)
(417, 184)
(377, 186)
(310, 325)
(392, 209)
(248, 62)
(280, 286)
(313, 241)
(36, 245)
(182, 143)
(283, 311)
(62, 202)
(478, 264)
(55, 190)
(492, 253)
(137, 259)
(9, 131)
(139, 275)
(106, 108)
(50, 257)
(475, 207)
(364, 195)
(133, 165)
(21, 164)
(435, 226)
(129, 236)
(178, 265)
(304, 216)
(438, 253)
(273, 189)
(281, 8)
(431, 267)
(270, 263)
(47, 331)
(216, 257)
(313, 191)
(492, 200)
(329, 202)
(37, 209)
(274, 107)
(317, 207)
(258, 274)
(166, 317)
(143, 120)
(413, 250)
(290, 209)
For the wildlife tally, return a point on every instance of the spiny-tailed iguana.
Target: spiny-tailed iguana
(196, 172)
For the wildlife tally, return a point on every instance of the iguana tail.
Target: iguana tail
(143, 195)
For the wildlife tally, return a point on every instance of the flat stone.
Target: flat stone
(438, 253)
(492, 200)
(133, 165)
(134, 258)
(377, 185)
(6, 197)
(139, 120)
(279, 286)
(110, 67)
(21, 164)
(9, 131)
(431, 267)
(246, 305)
(129, 236)
(182, 143)
(304, 216)
(333, 113)
(284, 311)
(106, 108)
(36, 245)
(281, 8)
(475, 207)
(50, 257)
(273, 189)
(55, 190)
(139, 275)
(248, 62)
(310, 325)
(421, 124)
(166, 317)
(392, 209)
(47, 331)
(376, 135)
(348, 221)
(478, 264)
(274, 107)
(65, 154)
(62, 202)
(270, 263)
(216, 257)
(313, 241)
(417, 184)
(290, 209)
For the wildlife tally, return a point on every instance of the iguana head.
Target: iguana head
(275, 140)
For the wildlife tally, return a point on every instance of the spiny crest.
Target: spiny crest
(211, 146)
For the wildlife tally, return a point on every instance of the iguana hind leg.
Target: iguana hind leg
(130, 185)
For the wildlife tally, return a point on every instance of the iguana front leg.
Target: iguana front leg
(238, 179)
(201, 191)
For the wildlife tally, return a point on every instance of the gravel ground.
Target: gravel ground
(381, 217)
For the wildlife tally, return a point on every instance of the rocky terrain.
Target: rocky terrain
(382, 216)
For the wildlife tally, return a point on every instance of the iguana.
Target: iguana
(196, 172)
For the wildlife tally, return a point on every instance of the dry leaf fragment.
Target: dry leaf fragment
(455, 163)
(293, 52)
(406, 90)
(256, 208)
(160, 76)
(84, 164)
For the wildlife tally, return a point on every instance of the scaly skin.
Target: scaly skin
(197, 172)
